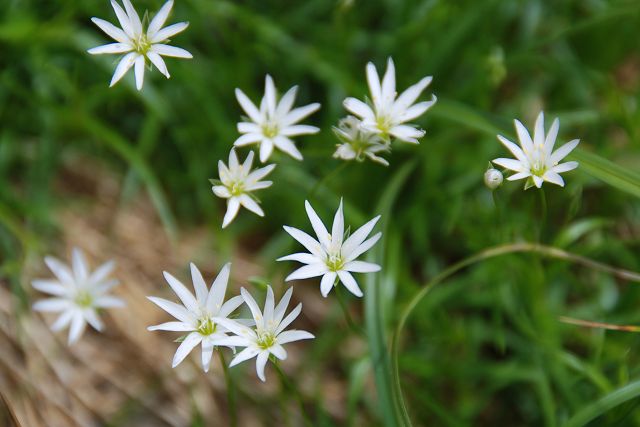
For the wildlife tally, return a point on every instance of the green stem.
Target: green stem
(345, 309)
(291, 389)
(231, 391)
(543, 213)
(493, 252)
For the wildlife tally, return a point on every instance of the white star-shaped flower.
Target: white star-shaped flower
(269, 334)
(331, 256)
(536, 160)
(196, 314)
(138, 45)
(78, 294)
(275, 122)
(358, 143)
(237, 183)
(387, 115)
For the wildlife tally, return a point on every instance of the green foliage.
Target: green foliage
(485, 348)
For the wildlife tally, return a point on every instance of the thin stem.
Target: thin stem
(292, 389)
(599, 325)
(493, 252)
(543, 213)
(231, 391)
(326, 179)
(345, 309)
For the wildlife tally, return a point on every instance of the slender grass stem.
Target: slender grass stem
(493, 252)
(231, 391)
(293, 390)
(345, 309)
(543, 213)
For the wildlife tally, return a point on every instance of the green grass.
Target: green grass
(483, 348)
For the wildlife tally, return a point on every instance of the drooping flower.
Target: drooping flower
(331, 256)
(78, 294)
(237, 182)
(536, 161)
(139, 45)
(269, 334)
(275, 122)
(358, 143)
(387, 115)
(197, 313)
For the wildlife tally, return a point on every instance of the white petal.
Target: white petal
(124, 65)
(537, 181)
(253, 306)
(373, 80)
(302, 257)
(123, 19)
(327, 282)
(78, 325)
(192, 340)
(359, 108)
(182, 292)
(524, 137)
(294, 335)
(538, 131)
(166, 50)
(60, 270)
(168, 32)
(278, 351)
(515, 150)
(110, 48)
(553, 178)
(514, 165)
(63, 320)
(236, 327)
(80, 268)
(417, 110)
(158, 21)
(139, 71)
(519, 175)
(248, 161)
(564, 167)
(218, 289)
(251, 204)
(318, 227)
(221, 191)
(281, 308)
(307, 241)
(92, 318)
(234, 341)
(299, 113)
(199, 285)
(269, 306)
(266, 148)
(406, 133)
(290, 318)
(52, 287)
(233, 206)
(350, 283)
(133, 17)
(158, 62)
(173, 327)
(111, 30)
(248, 107)
(270, 95)
(286, 145)
(409, 96)
(173, 309)
(207, 352)
(248, 138)
(230, 306)
(258, 174)
(550, 140)
(365, 246)
(389, 83)
(361, 267)
(296, 130)
(101, 272)
(563, 151)
(246, 354)
(52, 304)
(108, 302)
(307, 271)
(286, 102)
(358, 237)
(337, 231)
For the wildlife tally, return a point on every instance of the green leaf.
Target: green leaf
(593, 410)
(605, 170)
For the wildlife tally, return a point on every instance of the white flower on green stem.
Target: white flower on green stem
(196, 313)
(274, 122)
(237, 182)
(535, 159)
(78, 294)
(269, 334)
(331, 256)
(387, 115)
(139, 45)
(358, 143)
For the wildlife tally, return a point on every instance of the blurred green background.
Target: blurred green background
(484, 349)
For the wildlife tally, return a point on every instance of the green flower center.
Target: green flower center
(84, 299)
(236, 188)
(142, 44)
(266, 340)
(335, 262)
(206, 326)
(270, 130)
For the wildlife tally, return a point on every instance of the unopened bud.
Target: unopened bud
(492, 178)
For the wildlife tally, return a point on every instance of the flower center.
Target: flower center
(236, 188)
(142, 44)
(538, 161)
(270, 129)
(266, 339)
(335, 262)
(383, 124)
(206, 326)
(84, 299)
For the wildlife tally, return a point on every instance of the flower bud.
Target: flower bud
(492, 178)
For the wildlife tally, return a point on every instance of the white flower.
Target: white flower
(196, 314)
(78, 294)
(237, 184)
(536, 160)
(492, 178)
(388, 114)
(269, 334)
(358, 143)
(138, 44)
(274, 122)
(330, 256)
